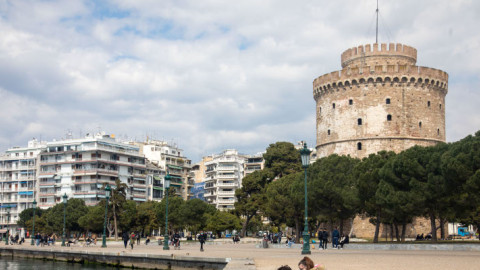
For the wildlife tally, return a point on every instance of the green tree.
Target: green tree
(285, 201)
(251, 197)
(146, 219)
(195, 212)
(176, 219)
(93, 220)
(461, 167)
(281, 158)
(75, 208)
(117, 201)
(332, 189)
(127, 218)
(221, 221)
(27, 215)
(368, 177)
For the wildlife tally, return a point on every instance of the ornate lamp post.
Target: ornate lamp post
(33, 230)
(8, 227)
(64, 214)
(166, 185)
(305, 153)
(107, 195)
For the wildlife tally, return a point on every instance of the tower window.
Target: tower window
(333, 105)
(387, 101)
(420, 124)
(359, 146)
(350, 102)
(389, 117)
(428, 103)
(359, 121)
(440, 106)
(328, 132)
(438, 131)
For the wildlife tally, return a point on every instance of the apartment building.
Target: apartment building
(169, 157)
(224, 175)
(80, 168)
(155, 181)
(254, 163)
(18, 171)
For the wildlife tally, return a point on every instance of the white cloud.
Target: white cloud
(209, 74)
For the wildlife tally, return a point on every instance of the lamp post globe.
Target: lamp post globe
(166, 185)
(33, 229)
(65, 197)
(305, 155)
(107, 197)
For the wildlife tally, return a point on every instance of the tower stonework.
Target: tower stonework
(380, 100)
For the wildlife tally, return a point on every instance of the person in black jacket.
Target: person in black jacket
(202, 238)
(325, 238)
(125, 238)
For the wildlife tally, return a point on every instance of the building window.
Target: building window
(333, 105)
(328, 132)
(359, 121)
(389, 117)
(359, 146)
(350, 102)
(428, 103)
(387, 101)
(420, 124)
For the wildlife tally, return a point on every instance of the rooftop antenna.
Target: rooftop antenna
(376, 32)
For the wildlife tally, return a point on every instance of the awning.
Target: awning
(52, 186)
(3, 230)
(174, 167)
(158, 188)
(23, 182)
(139, 189)
(85, 196)
(139, 178)
(139, 199)
(8, 206)
(158, 178)
(25, 193)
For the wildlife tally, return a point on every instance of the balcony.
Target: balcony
(229, 176)
(220, 184)
(220, 201)
(232, 193)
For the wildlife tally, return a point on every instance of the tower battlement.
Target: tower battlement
(379, 100)
(360, 53)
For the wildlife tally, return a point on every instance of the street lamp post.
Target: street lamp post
(8, 227)
(305, 154)
(64, 214)
(166, 185)
(33, 230)
(107, 196)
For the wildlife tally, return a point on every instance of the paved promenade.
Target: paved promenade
(246, 256)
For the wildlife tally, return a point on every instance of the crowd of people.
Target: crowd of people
(338, 241)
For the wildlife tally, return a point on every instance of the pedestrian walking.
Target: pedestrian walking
(38, 237)
(325, 238)
(202, 238)
(320, 239)
(138, 238)
(125, 239)
(132, 239)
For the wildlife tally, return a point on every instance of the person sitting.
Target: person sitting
(344, 240)
(147, 241)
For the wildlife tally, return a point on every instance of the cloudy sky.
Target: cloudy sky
(210, 74)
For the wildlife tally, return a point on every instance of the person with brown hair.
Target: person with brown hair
(284, 267)
(306, 263)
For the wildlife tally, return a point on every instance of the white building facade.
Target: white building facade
(81, 168)
(18, 181)
(224, 174)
